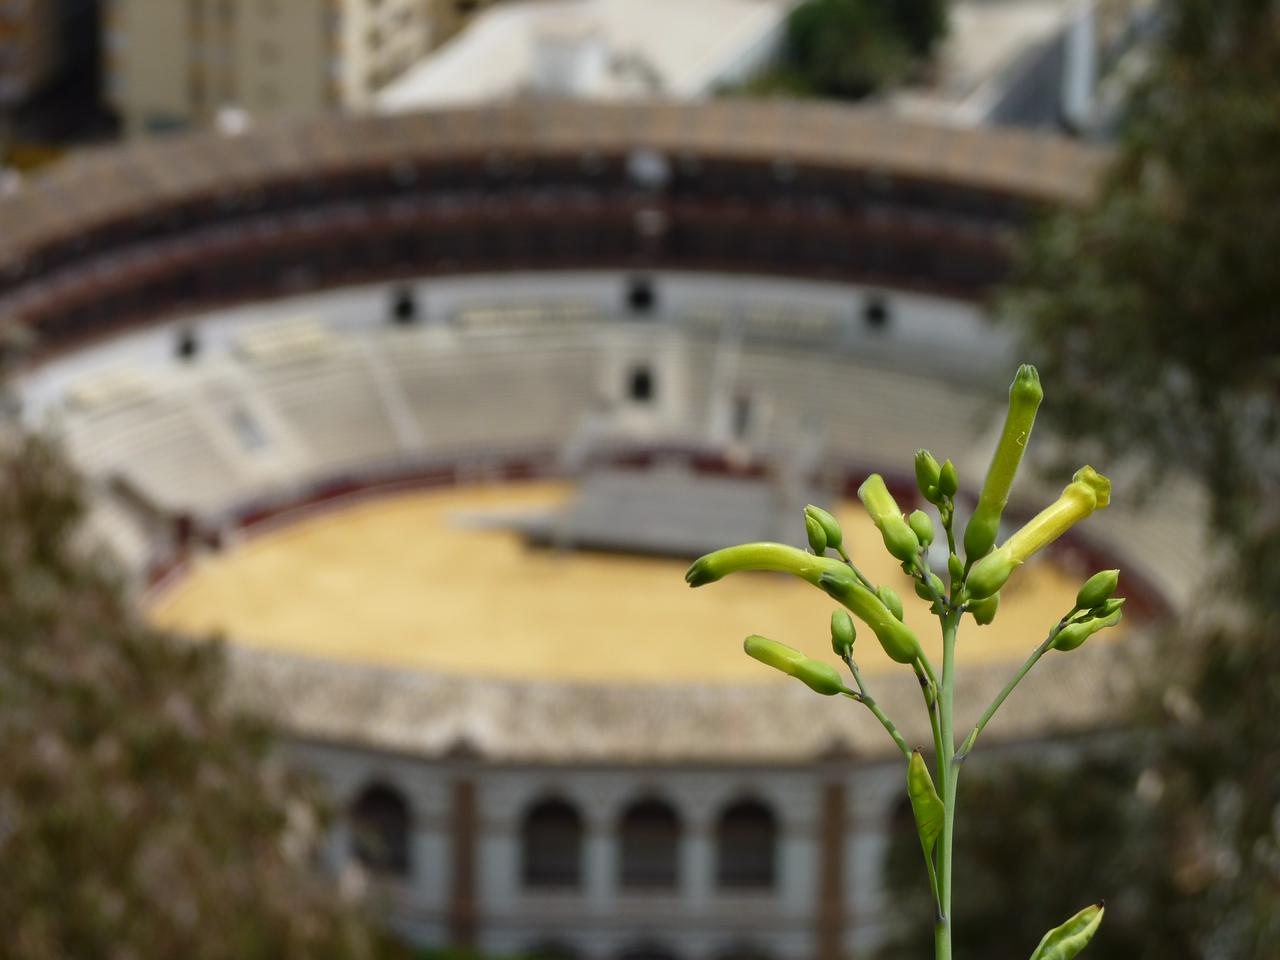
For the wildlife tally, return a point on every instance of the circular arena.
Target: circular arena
(427, 415)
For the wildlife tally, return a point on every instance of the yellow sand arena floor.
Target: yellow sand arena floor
(399, 580)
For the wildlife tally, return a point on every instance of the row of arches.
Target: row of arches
(552, 835)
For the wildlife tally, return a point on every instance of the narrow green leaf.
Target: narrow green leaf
(1064, 942)
(926, 805)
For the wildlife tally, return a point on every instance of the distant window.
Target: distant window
(551, 950)
(647, 951)
(551, 845)
(380, 826)
(247, 429)
(875, 312)
(746, 847)
(640, 386)
(187, 345)
(741, 415)
(650, 840)
(640, 295)
(404, 306)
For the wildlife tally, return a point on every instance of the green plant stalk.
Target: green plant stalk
(946, 698)
(866, 700)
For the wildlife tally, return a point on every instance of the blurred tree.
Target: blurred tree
(848, 49)
(140, 817)
(1155, 313)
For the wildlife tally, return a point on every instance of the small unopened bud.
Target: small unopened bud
(899, 539)
(1108, 608)
(1097, 589)
(843, 633)
(922, 591)
(927, 474)
(955, 567)
(830, 525)
(896, 638)
(1069, 940)
(816, 675)
(984, 611)
(1074, 634)
(817, 536)
(948, 482)
(921, 526)
(889, 597)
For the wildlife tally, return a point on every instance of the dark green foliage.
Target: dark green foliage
(139, 816)
(848, 49)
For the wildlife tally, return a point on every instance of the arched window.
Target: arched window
(650, 840)
(742, 951)
(551, 845)
(380, 827)
(551, 950)
(746, 846)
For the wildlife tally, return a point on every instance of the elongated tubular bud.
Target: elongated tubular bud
(1025, 395)
(777, 557)
(830, 525)
(899, 539)
(927, 473)
(1074, 634)
(896, 638)
(1097, 589)
(984, 611)
(816, 675)
(1087, 491)
(817, 536)
(843, 633)
(921, 526)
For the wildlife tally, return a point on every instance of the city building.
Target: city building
(33, 45)
(171, 64)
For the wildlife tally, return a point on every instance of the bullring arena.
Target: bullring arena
(427, 413)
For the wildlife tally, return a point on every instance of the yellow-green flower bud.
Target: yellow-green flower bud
(955, 567)
(984, 611)
(921, 526)
(1097, 589)
(923, 592)
(817, 536)
(1074, 634)
(897, 639)
(778, 557)
(1067, 941)
(899, 539)
(1107, 608)
(817, 676)
(843, 633)
(948, 482)
(927, 473)
(926, 805)
(830, 525)
(1087, 491)
(891, 600)
(1025, 395)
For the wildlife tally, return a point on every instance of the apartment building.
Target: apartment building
(177, 63)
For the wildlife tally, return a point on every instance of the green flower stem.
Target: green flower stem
(856, 572)
(951, 770)
(865, 699)
(967, 747)
(929, 687)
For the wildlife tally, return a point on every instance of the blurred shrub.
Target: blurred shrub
(139, 816)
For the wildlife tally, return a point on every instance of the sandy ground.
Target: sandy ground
(403, 580)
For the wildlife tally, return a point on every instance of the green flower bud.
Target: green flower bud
(760, 556)
(843, 633)
(1074, 634)
(1067, 941)
(923, 592)
(897, 639)
(955, 567)
(927, 473)
(1108, 608)
(984, 611)
(921, 526)
(830, 525)
(819, 677)
(899, 539)
(816, 675)
(926, 805)
(948, 482)
(1097, 589)
(891, 600)
(1087, 491)
(1025, 395)
(817, 536)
